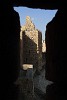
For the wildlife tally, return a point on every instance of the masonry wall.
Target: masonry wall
(43, 46)
(32, 44)
(40, 50)
(31, 49)
(9, 48)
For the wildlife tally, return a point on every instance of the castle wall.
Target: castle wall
(32, 44)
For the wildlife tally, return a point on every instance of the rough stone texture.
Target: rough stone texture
(32, 44)
(56, 56)
(26, 82)
(40, 82)
(9, 54)
(21, 48)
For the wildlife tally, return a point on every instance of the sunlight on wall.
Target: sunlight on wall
(40, 17)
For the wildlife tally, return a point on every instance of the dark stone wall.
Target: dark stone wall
(56, 47)
(9, 51)
(29, 50)
(56, 56)
(43, 4)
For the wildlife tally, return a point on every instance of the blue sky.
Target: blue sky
(39, 17)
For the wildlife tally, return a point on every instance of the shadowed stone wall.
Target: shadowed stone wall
(56, 56)
(32, 44)
(9, 51)
(56, 41)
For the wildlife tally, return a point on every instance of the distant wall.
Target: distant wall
(32, 44)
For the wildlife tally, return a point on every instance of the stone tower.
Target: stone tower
(32, 44)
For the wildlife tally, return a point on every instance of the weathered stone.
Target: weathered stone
(32, 44)
(26, 82)
(26, 66)
(9, 49)
(43, 46)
